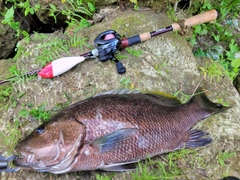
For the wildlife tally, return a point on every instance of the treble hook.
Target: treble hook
(4, 164)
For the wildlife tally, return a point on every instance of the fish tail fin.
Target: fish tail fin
(195, 138)
(204, 103)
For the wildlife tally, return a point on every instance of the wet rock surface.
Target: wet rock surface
(166, 64)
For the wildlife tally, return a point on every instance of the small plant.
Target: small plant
(135, 2)
(40, 113)
(143, 173)
(74, 10)
(125, 81)
(134, 52)
(223, 156)
(9, 138)
(171, 13)
(159, 67)
(5, 93)
(221, 33)
(104, 177)
(9, 19)
(54, 48)
(183, 97)
(167, 169)
(213, 70)
(9, 15)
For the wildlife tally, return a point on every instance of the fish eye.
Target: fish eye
(40, 130)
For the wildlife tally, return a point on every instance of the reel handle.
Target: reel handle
(120, 68)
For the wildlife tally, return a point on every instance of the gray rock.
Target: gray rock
(8, 38)
(166, 63)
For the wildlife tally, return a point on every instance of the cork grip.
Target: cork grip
(145, 36)
(195, 20)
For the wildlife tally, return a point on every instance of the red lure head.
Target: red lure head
(47, 71)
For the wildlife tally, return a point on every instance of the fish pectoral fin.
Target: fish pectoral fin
(121, 168)
(195, 138)
(114, 140)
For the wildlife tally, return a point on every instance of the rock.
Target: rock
(44, 12)
(164, 63)
(8, 38)
(237, 83)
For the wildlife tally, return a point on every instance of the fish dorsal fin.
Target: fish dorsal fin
(163, 98)
(119, 91)
(114, 140)
(156, 96)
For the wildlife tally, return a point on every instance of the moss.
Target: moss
(123, 25)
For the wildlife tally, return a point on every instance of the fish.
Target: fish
(230, 178)
(113, 130)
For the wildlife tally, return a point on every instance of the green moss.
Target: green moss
(123, 25)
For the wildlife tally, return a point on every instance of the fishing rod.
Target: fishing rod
(109, 42)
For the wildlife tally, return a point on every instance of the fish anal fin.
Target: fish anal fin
(113, 140)
(120, 168)
(195, 138)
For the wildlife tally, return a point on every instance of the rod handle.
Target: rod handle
(198, 19)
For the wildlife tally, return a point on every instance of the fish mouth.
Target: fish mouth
(21, 161)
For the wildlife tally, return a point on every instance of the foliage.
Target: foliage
(165, 169)
(125, 82)
(135, 2)
(52, 49)
(212, 70)
(134, 52)
(40, 113)
(73, 10)
(10, 137)
(221, 33)
(104, 177)
(5, 92)
(223, 156)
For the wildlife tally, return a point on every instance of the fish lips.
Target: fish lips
(22, 160)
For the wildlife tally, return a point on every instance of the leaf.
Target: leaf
(236, 63)
(9, 15)
(23, 113)
(53, 7)
(134, 1)
(233, 46)
(21, 94)
(37, 7)
(198, 29)
(91, 7)
(230, 55)
(216, 37)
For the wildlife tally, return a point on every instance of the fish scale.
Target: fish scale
(113, 130)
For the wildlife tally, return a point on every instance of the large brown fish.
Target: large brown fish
(111, 130)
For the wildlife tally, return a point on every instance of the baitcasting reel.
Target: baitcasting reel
(108, 43)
